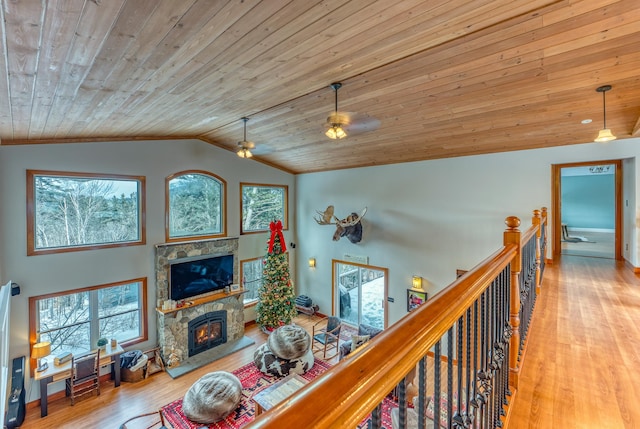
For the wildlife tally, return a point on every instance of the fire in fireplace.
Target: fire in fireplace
(207, 331)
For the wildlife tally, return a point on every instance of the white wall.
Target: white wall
(433, 217)
(153, 159)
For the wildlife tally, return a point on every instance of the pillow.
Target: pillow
(358, 340)
(368, 330)
(444, 402)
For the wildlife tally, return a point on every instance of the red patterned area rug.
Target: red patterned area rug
(252, 381)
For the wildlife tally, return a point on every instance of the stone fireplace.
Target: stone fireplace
(226, 309)
(207, 331)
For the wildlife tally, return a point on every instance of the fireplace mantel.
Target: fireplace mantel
(202, 300)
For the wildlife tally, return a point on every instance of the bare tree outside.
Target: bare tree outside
(69, 324)
(78, 211)
(195, 205)
(261, 205)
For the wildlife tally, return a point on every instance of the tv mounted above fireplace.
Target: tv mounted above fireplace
(189, 277)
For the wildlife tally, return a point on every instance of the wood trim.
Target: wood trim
(366, 266)
(223, 209)
(556, 194)
(633, 268)
(31, 245)
(285, 221)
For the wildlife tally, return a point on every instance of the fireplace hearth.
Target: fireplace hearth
(207, 331)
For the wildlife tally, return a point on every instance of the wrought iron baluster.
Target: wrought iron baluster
(436, 381)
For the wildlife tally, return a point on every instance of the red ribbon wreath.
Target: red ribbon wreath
(276, 229)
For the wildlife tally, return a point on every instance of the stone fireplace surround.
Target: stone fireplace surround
(173, 326)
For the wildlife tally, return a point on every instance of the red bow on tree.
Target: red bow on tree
(276, 229)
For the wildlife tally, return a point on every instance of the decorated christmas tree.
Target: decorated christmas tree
(276, 297)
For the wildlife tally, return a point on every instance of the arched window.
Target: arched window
(195, 206)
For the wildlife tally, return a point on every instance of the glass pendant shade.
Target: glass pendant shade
(605, 135)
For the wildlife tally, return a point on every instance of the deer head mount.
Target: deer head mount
(349, 227)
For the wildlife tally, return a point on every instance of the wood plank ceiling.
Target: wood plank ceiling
(423, 79)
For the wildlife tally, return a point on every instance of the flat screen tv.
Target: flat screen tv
(189, 277)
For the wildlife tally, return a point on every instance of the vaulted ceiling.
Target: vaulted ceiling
(422, 79)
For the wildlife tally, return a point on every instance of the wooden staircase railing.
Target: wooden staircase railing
(464, 345)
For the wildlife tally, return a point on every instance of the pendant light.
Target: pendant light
(244, 147)
(335, 130)
(605, 134)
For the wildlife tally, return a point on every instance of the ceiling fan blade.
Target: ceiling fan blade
(361, 123)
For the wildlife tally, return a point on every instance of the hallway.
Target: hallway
(581, 364)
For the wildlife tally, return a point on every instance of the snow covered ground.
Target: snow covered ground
(372, 305)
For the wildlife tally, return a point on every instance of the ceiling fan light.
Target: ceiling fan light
(244, 153)
(331, 133)
(335, 132)
(605, 135)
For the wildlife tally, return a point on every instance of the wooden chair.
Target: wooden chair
(84, 375)
(326, 336)
(162, 424)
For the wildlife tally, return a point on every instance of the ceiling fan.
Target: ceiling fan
(342, 123)
(245, 146)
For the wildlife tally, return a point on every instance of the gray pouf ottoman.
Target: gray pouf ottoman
(289, 341)
(212, 397)
(270, 364)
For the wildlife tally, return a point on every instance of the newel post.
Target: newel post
(512, 236)
(537, 221)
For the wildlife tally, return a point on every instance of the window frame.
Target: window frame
(94, 318)
(254, 301)
(31, 211)
(285, 208)
(223, 207)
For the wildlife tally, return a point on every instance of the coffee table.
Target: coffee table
(277, 392)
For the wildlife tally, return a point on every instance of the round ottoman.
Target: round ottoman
(270, 364)
(212, 397)
(289, 341)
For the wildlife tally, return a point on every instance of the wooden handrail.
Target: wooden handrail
(347, 393)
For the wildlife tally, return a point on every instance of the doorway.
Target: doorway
(360, 293)
(587, 214)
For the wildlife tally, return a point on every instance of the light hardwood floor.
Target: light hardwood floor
(580, 368)
(581, 365)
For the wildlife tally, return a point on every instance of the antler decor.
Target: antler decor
(349, 227)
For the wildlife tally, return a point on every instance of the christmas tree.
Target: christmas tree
(276, 297)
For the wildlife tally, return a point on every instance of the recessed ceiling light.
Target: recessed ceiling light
(586, 121)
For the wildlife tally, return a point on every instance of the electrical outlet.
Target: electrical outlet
(626, 247)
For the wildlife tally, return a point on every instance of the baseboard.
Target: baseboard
(636, 270)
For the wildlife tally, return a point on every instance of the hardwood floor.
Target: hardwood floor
(580, 367)
(115, 405)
